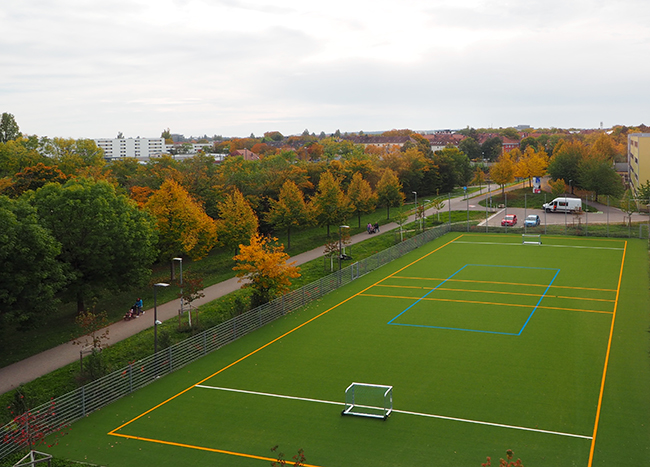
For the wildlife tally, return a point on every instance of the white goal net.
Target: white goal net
(531, 239)
(368, 400)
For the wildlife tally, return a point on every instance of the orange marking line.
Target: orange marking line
(203, 448)
(496, 292)
(503, 283)
(113, 432)
(475, 302)
(609, 346)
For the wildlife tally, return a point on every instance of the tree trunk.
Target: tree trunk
(172, 272)
(359, 213)
(288, 238)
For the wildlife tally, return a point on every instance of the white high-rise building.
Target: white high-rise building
(114, 148)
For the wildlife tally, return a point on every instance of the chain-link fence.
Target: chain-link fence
(29, 428)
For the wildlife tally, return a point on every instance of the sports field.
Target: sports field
(488, 344)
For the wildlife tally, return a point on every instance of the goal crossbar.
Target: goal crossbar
(368, 400)
(531, 239)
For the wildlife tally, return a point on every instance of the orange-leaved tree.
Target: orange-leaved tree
(265, 267)
(183, 227)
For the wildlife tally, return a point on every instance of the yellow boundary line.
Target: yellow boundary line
(521, 284)
(476, 302)
(609, 347)
(203, 448)
(113, 432)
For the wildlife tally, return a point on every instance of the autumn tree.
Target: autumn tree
(503, 171)
(183, 227)
(237, 223)
(361, 196)
(107, 243)
(330, 204)
(289, 211)
(32, 178)
(389, 192)
(558, 187)
(264, 266)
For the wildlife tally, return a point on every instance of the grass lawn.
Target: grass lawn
(489, 345)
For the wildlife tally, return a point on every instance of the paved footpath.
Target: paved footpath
(57, 357)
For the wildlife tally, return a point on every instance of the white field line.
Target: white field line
(546, 245)
(441, 417)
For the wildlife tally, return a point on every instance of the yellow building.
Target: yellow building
(638, 159)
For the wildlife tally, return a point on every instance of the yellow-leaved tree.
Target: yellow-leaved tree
(265, 267)
(183, 226)
(503, 172)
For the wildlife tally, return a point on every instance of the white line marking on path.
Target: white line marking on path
(441, 417)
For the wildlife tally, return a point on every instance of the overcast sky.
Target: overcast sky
(90, 69)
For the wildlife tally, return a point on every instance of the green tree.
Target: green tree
(330, 204)
(30, 275)
(8, 128)
(17, 154)
(598, 175)
(565, 161)
(289, 211)
(237, 223)
(389, 192)
(361, 196)
(470, 147)
(107, 243)
(492, 148)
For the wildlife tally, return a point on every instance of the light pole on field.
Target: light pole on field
(180, 261)
(155, 316)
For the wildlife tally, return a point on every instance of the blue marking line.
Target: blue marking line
(426, 295)
(540, 301)
(557, 271)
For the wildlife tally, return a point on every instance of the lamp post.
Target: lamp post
(416, 205)
(424, 211)
(155, 316)
(341, 242)
(180, 261)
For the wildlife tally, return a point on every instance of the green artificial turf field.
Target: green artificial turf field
(489, 345)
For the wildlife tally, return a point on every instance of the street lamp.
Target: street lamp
(180, 261)
(424, 211)
(155, 316)
(416, 205)
(341, 242)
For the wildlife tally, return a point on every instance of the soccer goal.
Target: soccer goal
(368, 400)
(531, 239)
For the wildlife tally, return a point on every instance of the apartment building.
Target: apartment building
(638, 159)
(115, 148)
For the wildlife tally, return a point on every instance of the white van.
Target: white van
(563, 205)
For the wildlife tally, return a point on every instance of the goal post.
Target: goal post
(531, 239)
(368, 400)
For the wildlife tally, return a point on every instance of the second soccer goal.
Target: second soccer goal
(368, 400)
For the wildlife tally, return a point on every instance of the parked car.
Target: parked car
(563, 204)
(532, 220)
(509, 220)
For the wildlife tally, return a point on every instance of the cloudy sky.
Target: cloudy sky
(89, 69)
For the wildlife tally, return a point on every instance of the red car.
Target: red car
(509, 220)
